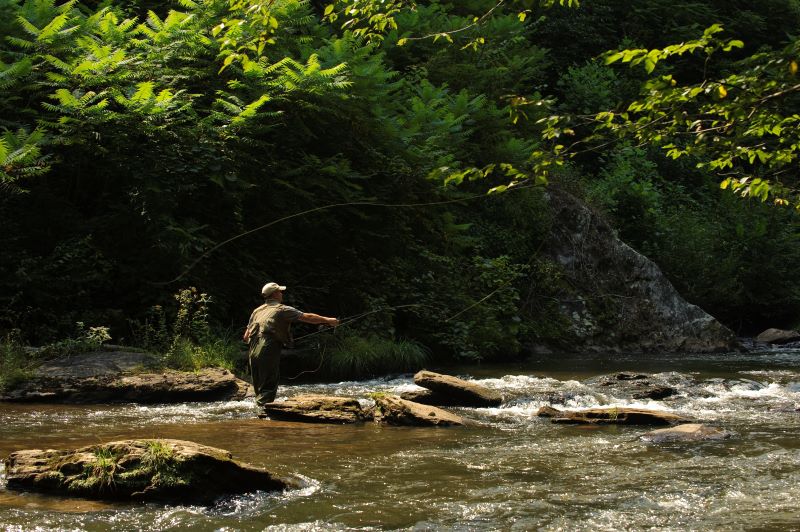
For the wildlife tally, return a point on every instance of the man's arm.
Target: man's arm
(308, 317)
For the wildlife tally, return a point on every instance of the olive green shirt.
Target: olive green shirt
(273, 319)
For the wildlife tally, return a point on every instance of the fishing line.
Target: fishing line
(355, 317)
(344, 322)
(326, 207)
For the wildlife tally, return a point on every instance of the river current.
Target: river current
(513, 471)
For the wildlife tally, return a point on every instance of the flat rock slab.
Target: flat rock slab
(95, 364)
(147, 470)
(318, 409)
(210, 384)
(688, 432)
(611, 416)
(392, 410)
(778, 336)
(452, 391)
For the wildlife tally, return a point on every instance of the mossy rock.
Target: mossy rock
(161, 470)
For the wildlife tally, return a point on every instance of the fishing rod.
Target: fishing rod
(346, 321)
(350, 319)
(206, 254)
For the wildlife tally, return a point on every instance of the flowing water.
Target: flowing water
(514, 471)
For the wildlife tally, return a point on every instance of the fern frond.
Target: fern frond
(21, 43)
(144, 91)
(251, 109)
(126, 25)
(28, 26)
(66, 7)
(154, 21)
(65, 97)
(52, 28)
(58, 63)
(13, 72)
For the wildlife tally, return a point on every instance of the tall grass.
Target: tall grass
(16, 366)
(355, 357)
(187, 355)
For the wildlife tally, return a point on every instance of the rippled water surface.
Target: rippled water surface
(513, 471)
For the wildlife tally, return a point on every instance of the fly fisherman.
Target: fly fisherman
(268, 331)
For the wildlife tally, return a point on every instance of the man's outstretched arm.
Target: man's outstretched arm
(308, 317)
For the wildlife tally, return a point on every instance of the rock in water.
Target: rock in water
(686, 432)
(393, 410)
(611, 416)
(778, 336)
(639, 385)
(163, 470)
(318, 409)
(452, 391)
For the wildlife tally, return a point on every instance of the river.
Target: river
(514, 471)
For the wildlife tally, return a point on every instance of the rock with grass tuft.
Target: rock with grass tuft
(147, 470)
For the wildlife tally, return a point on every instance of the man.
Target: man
(268, 331)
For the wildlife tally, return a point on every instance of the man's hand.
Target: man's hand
(333, 322)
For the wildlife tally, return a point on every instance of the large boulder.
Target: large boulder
(392, 410)
(689, 432)
(611, 416)
(778, 336)
(610, 297)
(85, 381)
(163, 470)
(446, 390)
(318, 409)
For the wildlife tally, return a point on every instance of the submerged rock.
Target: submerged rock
(163, 470)
(611, 416)
(318, 409)
(640, 385)
(685, 432)
(446, 390)
(392, 410)
(778, 336)
(74, 385)
(655, 392)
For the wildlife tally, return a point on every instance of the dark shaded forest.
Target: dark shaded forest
(160, 161)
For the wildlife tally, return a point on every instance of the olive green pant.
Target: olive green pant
(265, 361)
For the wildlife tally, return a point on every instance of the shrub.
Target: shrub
(85, 340)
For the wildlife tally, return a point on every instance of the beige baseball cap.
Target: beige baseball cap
(271, 288)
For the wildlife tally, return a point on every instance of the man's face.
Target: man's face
(278, 296)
